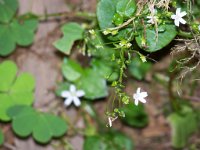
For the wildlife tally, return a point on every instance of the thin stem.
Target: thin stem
(83, 15)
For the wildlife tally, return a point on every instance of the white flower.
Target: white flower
(178, 17)
(139, 96)
(199, 27)
(72, 96)
(110, 120)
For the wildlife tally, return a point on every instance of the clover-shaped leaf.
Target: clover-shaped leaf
(42, 126)
(109, 141)
(71, 33)
(14, 89)
(16, 32)
(135, 116)
(152, 42)
(1, 137)
(8, 9)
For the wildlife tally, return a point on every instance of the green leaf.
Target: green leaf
(105, 68)
(135, 116)
(14, 90)
(93, 84)
(182, 125)
(1, 138)
(108, 141)
(126, 8)
(71, 33)
(42, 126)
(8, 9)
(105, 13)
(138, 69)
(151, 43)
(16, 32)
(126, 33)
(71, 70)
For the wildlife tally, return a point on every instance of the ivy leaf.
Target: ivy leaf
(1, 138)
(93, 84)
(71, 70)
(138, 69)
(43, 126)
(71, 33)
(108, 141)
(126, 33)
(183, 125)
(126, 8)
(21, 33)
(135, 116)
(14, 89)
(149, 42)
(105, 13)
(8, 9)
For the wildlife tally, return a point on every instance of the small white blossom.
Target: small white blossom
(199, 27)
(178, 17)
(72, 96)
(111, 120)
(152, 18)
(139, 96)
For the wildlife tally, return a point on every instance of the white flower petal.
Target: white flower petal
(143, 100)
(199, 27)
(110, 121)
(173, 16)
(181, 20)
(178, 11)
(182, 14)
(138, 90)
(144, 94)
(77, 101)
(65, 94)
(72, 88)
(68, 101)
(136, 102)
(80, 93)
(176, 22)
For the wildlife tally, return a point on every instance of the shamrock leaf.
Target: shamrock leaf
(109, 141)
(14, 89)
(153, 43)
(8, 9)
(135, 115)
(16, 32)
(72, 32)
(43, 126)
(1, 137)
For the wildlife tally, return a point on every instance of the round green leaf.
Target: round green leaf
(71, 70)
(150, 43)
(93, 84)
(126, 8)
(8, 9)
(105, 13)
(135, 116)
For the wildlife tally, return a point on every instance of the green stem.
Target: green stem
(185, 34)
(83, 15)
